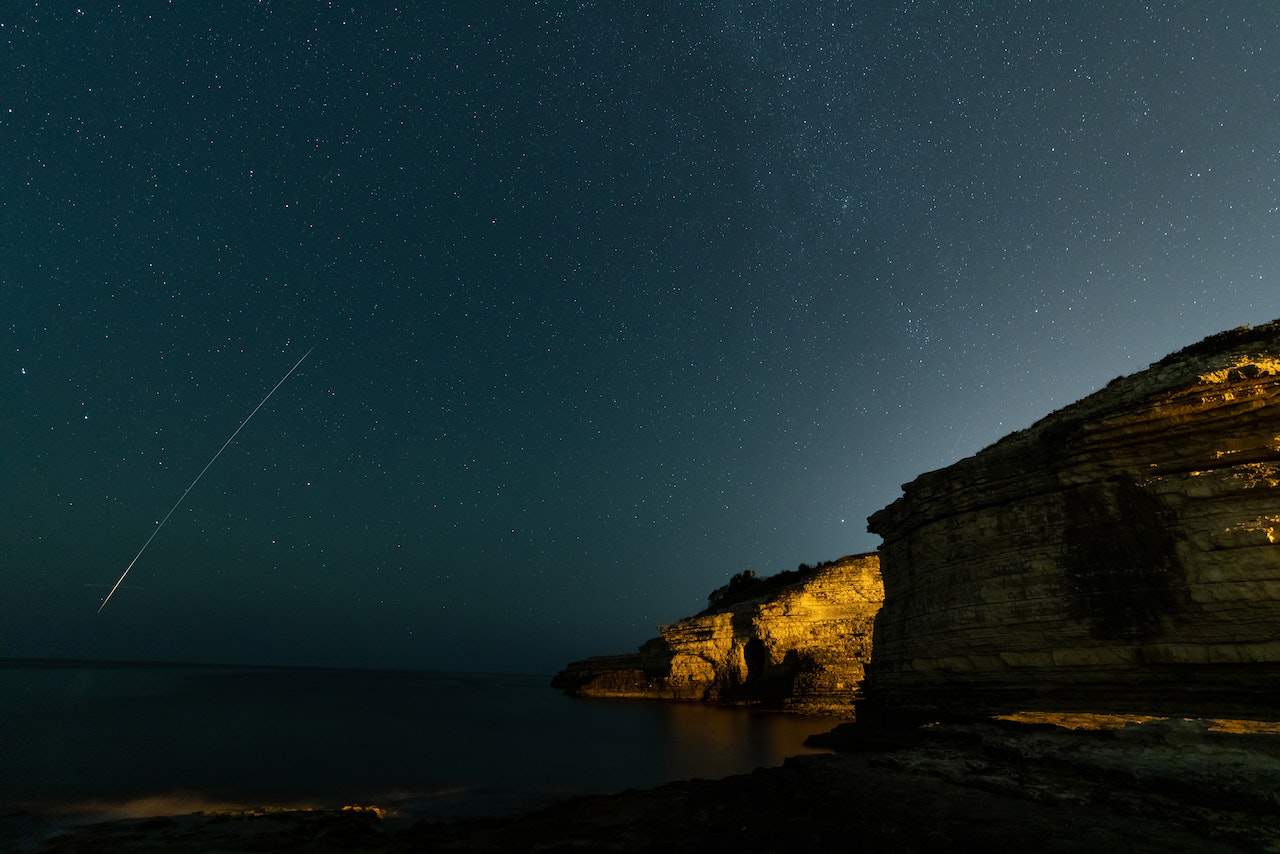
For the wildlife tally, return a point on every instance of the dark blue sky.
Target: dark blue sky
(609, 301)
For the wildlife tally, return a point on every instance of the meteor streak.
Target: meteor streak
(120, 580)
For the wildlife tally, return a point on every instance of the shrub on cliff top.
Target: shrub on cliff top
(747, 585)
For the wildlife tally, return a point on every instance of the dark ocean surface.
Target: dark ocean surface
(88, 741)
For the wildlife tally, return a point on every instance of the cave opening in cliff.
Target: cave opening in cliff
(756, 657)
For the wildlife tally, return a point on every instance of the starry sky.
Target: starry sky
(609, 301)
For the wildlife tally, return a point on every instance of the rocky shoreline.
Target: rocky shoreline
(1121, 556)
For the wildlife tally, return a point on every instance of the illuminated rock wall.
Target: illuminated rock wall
(1121, 554)
(800, 645)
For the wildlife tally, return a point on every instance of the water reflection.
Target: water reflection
(701, 742)
(442, 744)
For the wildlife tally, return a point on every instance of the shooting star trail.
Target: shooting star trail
(120, 580)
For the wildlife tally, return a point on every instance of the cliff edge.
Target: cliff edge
(1122, 554)
(797, 640)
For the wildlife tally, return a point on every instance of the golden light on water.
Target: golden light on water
(184, 803)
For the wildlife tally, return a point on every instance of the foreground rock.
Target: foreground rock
(1154, 787)
(797, 640)
(1121, 554)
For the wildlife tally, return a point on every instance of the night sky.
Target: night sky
(609, 301)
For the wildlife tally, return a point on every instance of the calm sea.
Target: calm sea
(101, 742)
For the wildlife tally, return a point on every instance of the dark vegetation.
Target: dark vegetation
(746, 585)
(1239, 336)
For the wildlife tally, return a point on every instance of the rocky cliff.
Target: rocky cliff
(1121, 554)
(797, 640)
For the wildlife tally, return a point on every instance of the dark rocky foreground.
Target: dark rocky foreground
(1161, 785)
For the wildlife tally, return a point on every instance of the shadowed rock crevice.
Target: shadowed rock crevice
(1119, 564)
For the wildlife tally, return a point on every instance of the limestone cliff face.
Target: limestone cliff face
(798, 641)
(1122, 553)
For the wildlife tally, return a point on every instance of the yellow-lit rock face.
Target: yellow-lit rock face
(1120, 555)
(800, 646)
(1245, 367)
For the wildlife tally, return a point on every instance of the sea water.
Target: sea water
(111, 741)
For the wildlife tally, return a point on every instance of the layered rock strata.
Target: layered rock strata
(1121, 554)
(798, 641)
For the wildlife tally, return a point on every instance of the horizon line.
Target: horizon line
(128, 662)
